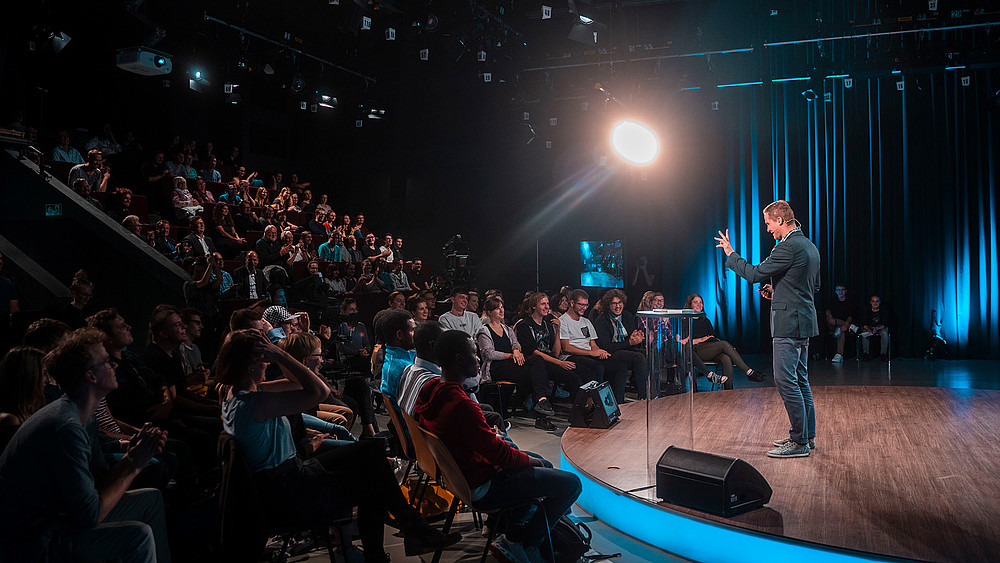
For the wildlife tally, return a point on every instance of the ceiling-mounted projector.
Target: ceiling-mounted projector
(144, 61)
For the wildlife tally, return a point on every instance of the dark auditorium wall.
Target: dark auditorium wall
(896, 187)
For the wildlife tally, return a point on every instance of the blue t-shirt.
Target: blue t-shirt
(265, 444)
(396, 360)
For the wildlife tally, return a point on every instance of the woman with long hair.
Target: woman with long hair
(21, 385)
(538, 333)
(227, 240)
(318, 489)
(503, 360)
(710, 348)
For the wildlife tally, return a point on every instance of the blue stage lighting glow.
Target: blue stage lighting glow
(692, 537)
(758, 83)
(797, 78)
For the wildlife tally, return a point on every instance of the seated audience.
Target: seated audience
(618, 333)
(708, 346)
(355, 338)
(96, 521)
(209, 172)
(397, 329)
(249, 279)
(353, 254)
(419, 281)
(578, 339)
(839, 317)
(133, 224)
(82, 188)
(81, 290)
(95, 172)
(538, 334)
(64, 152)
(201, 244)
(873, 323)
(458, 318)
(200, 194)
(417, 307)
(498, 474)
(160, 239)
(299, 491)
(119, 204)
(227, 240)
(321, 204)
(503, 360)
(398, 277)
(185, 205)
(424, 367)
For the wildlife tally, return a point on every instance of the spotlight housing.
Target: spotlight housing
(635, 142)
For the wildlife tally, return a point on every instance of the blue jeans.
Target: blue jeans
(556, 489)
(135, 531)
(791, 377)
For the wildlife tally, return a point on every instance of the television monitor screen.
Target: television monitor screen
(608, 403)
(602, 264)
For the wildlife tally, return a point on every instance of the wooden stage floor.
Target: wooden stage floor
(911, 472)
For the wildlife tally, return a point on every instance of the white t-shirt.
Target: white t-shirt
(578, 333)
(468, 323)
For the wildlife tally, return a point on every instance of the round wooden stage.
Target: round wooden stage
(898, 472)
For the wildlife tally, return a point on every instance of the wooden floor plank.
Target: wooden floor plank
(908, 472)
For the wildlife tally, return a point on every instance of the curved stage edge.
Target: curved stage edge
(847, 411)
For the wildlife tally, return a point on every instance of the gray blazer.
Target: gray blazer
(793, 269)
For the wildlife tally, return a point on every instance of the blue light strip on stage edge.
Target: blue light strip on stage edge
(694, 539)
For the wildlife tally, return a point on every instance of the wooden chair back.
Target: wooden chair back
(454, 479)
(401, 429)
(425, 459)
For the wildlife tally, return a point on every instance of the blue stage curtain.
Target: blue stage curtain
(897, 188)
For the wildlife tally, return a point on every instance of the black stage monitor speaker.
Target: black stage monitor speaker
(594, 407)
(711, 483)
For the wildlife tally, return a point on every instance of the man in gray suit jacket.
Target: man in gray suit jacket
(793, 271)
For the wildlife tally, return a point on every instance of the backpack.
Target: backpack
(571, 541)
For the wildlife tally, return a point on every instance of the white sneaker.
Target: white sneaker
(508, 551)
(837, 358)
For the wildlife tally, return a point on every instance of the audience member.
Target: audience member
(64, 152)
(185, 205)
(538, 334)
(82, 188)
(22, 388)
(224, 232)
(618, 333)
(353, 254)
(200, 243)
(119, 204)
(711, 349)
(160, 239)
(873, 323)
(37, 480)
(81, 290)
(578, 339)
(458, 318)
(133, 224)
(498, 474)
(249, 279)
(91, 172)
(839, 317)
(321, 204)
(209, 172)
(419, 281)
(503, 360)
(397, 327)
(200, 194)
(294, 490)
(355, 338)
(417, 307)
(424, 367)
(386, 249)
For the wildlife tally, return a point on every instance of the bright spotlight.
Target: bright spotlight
(635, 142)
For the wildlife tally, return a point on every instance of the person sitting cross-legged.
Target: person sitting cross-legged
(498, 474)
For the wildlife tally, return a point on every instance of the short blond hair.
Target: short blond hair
(780, 209)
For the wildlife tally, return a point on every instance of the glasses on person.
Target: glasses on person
(109, 361)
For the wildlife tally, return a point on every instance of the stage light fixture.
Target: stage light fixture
(59, 41)
(197, 75)
(298, 83)
(325, 98)
(809, 94)
(160, 62)
(634, 142)
(586, 21)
